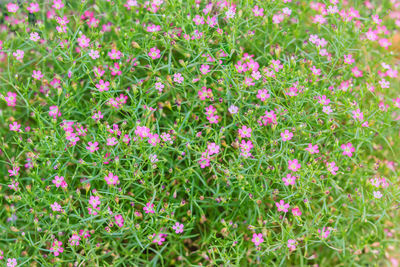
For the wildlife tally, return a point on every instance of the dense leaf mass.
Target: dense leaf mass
(199, 132)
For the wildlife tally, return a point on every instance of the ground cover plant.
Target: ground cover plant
(199, 133)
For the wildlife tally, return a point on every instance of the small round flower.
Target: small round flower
(294, 165)
(348, 149)
(11, 262)
(12, 7)
(282, 206)
(83, 41)
(245, 132)
(57, 248)
(377, 194)
(119, 220)
(286, 135)
(289, 179)
(111, 179)
(291, 244)
(154, 53)
(257, 239)
(233, 109)
(149, 208)
(159, 238)
(178, 227)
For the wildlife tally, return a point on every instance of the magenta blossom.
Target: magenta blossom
(159, 238)
(178, 227)
(286, 135)
(294, 165)
(57, 248)
(282, 206)
(348, 149)
(257, 239)
(111, 179)
(154, 53)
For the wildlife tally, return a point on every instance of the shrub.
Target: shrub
(199, 133)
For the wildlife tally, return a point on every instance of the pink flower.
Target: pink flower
(204, 93)
(149, 208)
(257, 239)
(14, 171)
(323, 100)
(327, 109)
(12, 8)
(119, 220)
(234, 109)
(246, 146)
(296, 211)
(159, 86)
(94, 201)
(74, 240)
(12, 262)
(315, 71)
(59, 181)
(324, 232)
(204, 69)
(357, 72)
(37, 75)
(56, 247)
(15, 127)
(198, 20)
(278, 18)
(384, 84)
(289, 179)
(159, 238)
(385, 43)
(55, 207)
(94, 54)
(13, 185)
(348, 149)
(112, 141)
(153, 139)
(349, 59)
(286, 136)
(154, 53)
(287, 11)
(263, 94)
(102, 86)
(212, 149)
(178, 78)
(357, 114)
(92, 147)
(332, 168)
(282, 206)
(258, 12)
(245, 132)
(294, 165)
(114, 54)
(19, 55)
(83, 41)
(204, 161)
(11, 99)
(291, 244)
(213, 119)
(54, 112)
(178, 227)
(33, 7)
(212, 21)
(111, 179)
(115, 70)
(58, 4)
(377, 194)
(313, 149)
